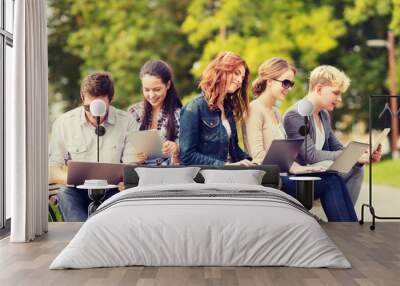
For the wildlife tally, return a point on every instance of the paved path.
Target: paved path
(386, 201)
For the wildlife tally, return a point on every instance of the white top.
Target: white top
(304, 178)
(96, 185)
(225, 122)
(319, 136)
(228, 129)
(74, 138)
(89, 187)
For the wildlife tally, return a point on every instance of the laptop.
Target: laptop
(346, 160)
(283, 152)
(78, 172)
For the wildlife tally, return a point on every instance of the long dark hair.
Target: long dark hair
(171, 102)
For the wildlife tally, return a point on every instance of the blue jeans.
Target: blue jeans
(158, 162)
(332, 192)
(73, 203)
(353, 181)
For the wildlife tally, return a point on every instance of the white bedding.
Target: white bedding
(209, 230)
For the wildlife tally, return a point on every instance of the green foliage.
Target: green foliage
(366, 66)
(120, 35)
(395, 24)
(259, 30)
(63, 66)
(365, 9)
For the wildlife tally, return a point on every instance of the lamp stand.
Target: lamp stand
(305, 138)
(98, 137)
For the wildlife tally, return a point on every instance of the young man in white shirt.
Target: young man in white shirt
(326, 87)
(73, 137)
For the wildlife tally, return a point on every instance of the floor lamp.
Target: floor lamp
(98, 109)
(305, 109)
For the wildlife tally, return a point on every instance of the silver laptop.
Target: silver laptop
(283, 152)
(346, 160)
(78, 172)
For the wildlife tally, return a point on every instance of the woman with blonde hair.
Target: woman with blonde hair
(264, 124)
(208, 122)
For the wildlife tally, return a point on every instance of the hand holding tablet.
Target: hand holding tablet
(376, 148)
(141, 157)
(380, 139)
(170, 148)
(147, 143)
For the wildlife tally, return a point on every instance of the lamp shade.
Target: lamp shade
(305, 107)
(98, 107)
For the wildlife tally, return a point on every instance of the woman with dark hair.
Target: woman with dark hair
(159, 110)
(208, 122)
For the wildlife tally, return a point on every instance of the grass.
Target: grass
(386, 172)
(56, 212)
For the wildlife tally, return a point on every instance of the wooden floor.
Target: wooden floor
(375, 256)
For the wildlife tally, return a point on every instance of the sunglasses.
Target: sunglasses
(285, 83)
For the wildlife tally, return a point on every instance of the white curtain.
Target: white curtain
(26, 123)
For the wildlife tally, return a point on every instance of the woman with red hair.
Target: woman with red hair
(208, 122)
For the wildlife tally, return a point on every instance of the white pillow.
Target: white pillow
(164, 176)
(248, 177)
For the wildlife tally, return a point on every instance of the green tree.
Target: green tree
(299, 31)
(63, 66)
(366, 66)
(120, 35)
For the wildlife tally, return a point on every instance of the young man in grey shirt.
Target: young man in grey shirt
(73, 138)
(326, 87)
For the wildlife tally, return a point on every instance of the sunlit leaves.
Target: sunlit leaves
(259, 30)
(364, 9)
(120, 35)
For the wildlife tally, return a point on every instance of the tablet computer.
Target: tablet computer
(349, 157)
(148, 141)
(380, 139)
(283, 152)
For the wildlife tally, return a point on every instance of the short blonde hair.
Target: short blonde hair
(329, 75)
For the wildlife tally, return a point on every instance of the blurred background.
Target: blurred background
(120, 35)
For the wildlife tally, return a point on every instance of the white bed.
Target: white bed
(201, 224)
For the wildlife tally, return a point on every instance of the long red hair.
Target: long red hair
(216, 79)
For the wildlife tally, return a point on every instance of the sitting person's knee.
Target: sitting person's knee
(64, 193)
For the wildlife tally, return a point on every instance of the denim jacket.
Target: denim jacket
(203, 139)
